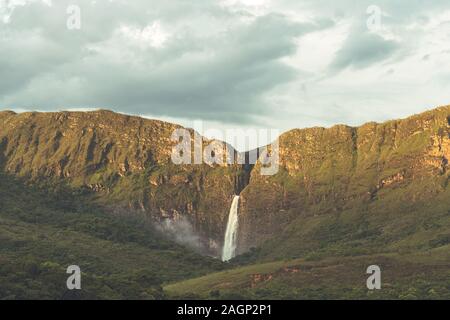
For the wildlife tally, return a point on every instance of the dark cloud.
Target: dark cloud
(214, 65)
(363, 49)
(224, 63)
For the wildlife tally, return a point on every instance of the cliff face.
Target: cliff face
(124, 163)
(327, 172)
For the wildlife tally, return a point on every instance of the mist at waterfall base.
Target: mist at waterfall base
(229, 246)
(182, 231)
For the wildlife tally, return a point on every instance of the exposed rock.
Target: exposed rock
(256, 279)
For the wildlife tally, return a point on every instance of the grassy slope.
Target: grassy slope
(391, 226)
(411, 276)
(325, 256)
(41, 234)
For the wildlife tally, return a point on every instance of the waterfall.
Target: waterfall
(229, 246)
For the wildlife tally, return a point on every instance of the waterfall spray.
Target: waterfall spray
(229, 246)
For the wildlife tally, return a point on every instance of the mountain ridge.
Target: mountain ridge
(109, 111)
(124, 163)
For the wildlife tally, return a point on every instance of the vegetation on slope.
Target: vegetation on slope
(44, 232)
(125, 160)
(359, 175)
(344, 198)
(409, 276)
(326, 256)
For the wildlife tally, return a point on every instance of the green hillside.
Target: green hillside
(42, 232)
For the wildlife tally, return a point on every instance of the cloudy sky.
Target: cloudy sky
(232, 63)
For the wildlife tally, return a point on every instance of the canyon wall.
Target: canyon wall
(124, 163)
(329, 171)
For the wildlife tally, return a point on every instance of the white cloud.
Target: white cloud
(152, 35)
(7, 7)
(253, 8)
(317, 49)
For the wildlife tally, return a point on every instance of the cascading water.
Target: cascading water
(229, 246)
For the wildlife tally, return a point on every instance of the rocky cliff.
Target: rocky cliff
(124, 163)
(357, 174)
